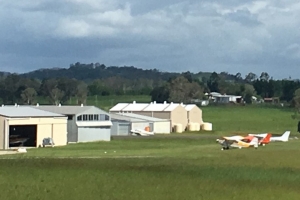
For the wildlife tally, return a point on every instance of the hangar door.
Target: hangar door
(22, 135)
(123, 129)
(91, 134)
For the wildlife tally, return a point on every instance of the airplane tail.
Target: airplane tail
(285, 136)
(267, 139)
(254, 142)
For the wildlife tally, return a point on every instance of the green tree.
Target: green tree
(56, 95)
(29, 95)
(213, 82)
(81, 93)
(181, 90)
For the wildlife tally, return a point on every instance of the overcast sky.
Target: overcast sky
(170, 35)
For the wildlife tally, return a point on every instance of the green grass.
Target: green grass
(180, 168)
(105, 102)
(176, 166)
(249, 119)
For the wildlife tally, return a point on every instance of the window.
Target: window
(85, 117)
(91, 117)
(96, 117)
(79, 118)
(104, 117)
(70, 117)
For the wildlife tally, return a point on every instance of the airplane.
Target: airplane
(263, 139)
(233, 141)
(141, 132)
(14, 140)
(283, 138)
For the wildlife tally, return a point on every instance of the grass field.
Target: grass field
(105, 102)
(176, 166)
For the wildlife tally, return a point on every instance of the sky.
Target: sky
(170, 35)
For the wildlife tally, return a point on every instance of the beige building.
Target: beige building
(28, 127)
(194, 114)
(173, 111)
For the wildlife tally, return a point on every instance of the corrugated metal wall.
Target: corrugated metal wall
(72, 130)
(89, 134)
(2, 132)
(120, 128)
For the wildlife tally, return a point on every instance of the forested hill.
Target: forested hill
(93, 71)
(89, 72)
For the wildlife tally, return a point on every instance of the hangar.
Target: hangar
(27, 127)
(124, 122)
(85, 123)
(194, 115)
(173, 111)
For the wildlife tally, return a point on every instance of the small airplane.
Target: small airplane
(283, 138)
(141, 132)
(16, 141)
(236, 141)
(263, 139)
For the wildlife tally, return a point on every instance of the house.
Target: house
(223, 98)
(85, 123)
(28, 127)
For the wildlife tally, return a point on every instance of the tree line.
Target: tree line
(82, 80)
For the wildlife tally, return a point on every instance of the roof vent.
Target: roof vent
(154, 102)
(16, 105)
(134, 102)
(2, 105)
(81, 105)
(165, 102)
(59, 105)
(171, 102)
(37, 104)
(181, 103)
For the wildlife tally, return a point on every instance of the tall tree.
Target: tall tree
(81, 93)
(28, 95)
(56, 95)
(250, 77)
(213, 82)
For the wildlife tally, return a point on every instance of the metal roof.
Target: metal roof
(150, 107)
(189, 107)
(26, 111)
(119, 116)
(119, 107)
(67, 109)
(136, 107)
(156, 107)
(143, 117)
(172, 106)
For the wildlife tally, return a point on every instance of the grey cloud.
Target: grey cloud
(234, 36)
(244, 17)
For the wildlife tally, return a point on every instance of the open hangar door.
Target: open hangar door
(22, 135)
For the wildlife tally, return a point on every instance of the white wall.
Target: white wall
(162, 127)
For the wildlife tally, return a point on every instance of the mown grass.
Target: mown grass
(245, 119)
(182, 168)
(104, 102)
(177, 166)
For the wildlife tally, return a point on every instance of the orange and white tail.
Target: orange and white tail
(266, 139)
